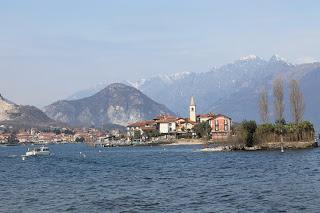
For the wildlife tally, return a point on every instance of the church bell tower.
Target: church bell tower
(192, 110)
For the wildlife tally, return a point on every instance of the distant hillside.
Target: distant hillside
(116, 104)
(23, 116)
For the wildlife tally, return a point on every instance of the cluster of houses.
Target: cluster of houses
(58, 135)
(162, 126)
(176, 127)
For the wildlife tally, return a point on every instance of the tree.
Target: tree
(57, 131)
(68, 132)
(296, 102)
(246, 132)
(136, 134)
(203, 130)
(263, 105)
(152, 133)
(278, 99)
(80, 140)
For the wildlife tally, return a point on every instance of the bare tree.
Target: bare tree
(263, 105)
(296, 101)
(278, 94)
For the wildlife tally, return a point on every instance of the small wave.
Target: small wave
(214, 149)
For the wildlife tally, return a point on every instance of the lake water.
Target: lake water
(159, 179)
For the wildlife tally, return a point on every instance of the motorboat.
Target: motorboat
(38, 151)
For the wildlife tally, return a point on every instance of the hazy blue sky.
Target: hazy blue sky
(50, 49)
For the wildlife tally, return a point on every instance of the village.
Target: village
(162, 128)
(58, 135)
(166, 127)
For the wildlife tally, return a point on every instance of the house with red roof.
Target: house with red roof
(204, 117)
(24, 137)
(143, 127)
(221, 127)
(166, 124)
(183, 127)
(5, 137)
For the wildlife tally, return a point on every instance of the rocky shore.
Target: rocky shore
(264, 146)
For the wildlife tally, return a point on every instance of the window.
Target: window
(216, 125)
(226, 126)
(192, 109)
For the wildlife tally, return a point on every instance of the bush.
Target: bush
(136, 134)
(291, 128)
(203, 130)
(265, 129)
(289, 132)
(280, 129)
(80, 140)
(152, 133)
(306, 126)
(246, 132)
(306, 130)
(281, 122)
(264, 132)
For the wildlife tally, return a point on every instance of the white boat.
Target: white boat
(38, 151)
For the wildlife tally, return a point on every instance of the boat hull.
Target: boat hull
(32, 153)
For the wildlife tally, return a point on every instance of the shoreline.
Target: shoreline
(187, 142)
(209, 145)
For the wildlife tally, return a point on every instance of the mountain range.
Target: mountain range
(116, 104)
(231, 89)
(21, 116)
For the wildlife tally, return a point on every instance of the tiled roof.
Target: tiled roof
(161, 117)
(165, 119)
(221, 115)
(141, 123)
(186, 120)
(208, 115)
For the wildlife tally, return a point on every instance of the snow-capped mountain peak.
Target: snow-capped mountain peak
(237, 74)
(276, 57)
(248, 58)
(136, 84)
(164, 78)
(175, 76)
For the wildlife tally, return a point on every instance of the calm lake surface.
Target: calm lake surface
(159, 179)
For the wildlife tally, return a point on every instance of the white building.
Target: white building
(192, 110)
(166, 127)
(166, 124)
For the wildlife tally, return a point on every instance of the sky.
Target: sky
(51, 49)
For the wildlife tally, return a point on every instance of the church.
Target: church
(168, 125)
(219, 123)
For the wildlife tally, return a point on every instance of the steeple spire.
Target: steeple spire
(192, 102)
